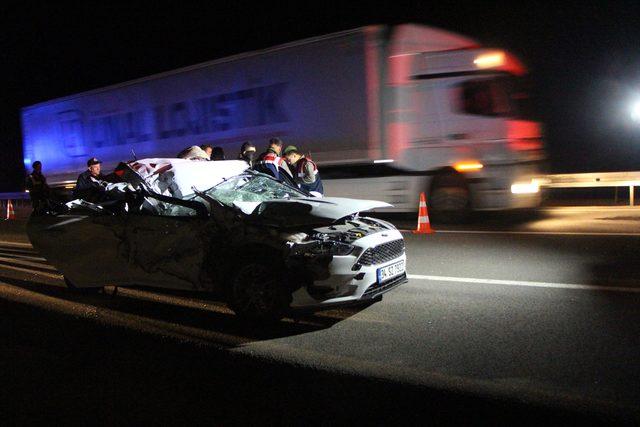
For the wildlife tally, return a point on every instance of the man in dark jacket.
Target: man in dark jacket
(91, 185)
(271, 163)
(37, 186)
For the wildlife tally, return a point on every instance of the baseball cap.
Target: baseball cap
(290, 149)
(93, 161)
(247, 146)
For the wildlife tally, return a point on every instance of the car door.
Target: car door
(83, 246)
(165, 251)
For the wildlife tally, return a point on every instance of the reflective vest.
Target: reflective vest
(269, 162)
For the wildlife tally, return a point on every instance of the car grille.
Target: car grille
(375, 289)
(382, 253)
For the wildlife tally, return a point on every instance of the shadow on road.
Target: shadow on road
(617, 267)
(196, 315)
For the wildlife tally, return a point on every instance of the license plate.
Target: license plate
(390, 271)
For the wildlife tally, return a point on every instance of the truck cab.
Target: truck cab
(457, 124)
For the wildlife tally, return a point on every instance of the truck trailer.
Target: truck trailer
(386, 112)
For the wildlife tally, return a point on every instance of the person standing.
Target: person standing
(305, 170)
(271, 163)
(247, 153)
(36, 184)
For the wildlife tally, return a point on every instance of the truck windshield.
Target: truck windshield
(499, 96)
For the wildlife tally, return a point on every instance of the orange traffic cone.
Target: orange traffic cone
(424, 226)
(10, 212)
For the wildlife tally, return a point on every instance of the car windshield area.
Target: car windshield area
(252, 188)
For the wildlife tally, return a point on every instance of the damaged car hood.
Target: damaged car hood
(306, 211)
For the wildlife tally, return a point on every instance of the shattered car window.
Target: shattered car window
(241, 188)
(252, 188)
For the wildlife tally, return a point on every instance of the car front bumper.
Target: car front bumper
(351, 282)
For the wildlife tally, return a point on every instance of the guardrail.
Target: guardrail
(14, 196)
(592, 180)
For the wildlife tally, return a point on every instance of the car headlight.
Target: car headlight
(332, 248)
(318, 248)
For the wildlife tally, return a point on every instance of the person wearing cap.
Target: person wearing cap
(247, 152)
(305, 170)
(194, 153)
(91, 185)
(271, 163)
(37, 186)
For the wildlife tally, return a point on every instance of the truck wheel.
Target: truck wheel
(449, 199)
(258, 293)
(78, 290)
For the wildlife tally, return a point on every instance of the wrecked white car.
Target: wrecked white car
(216, 226)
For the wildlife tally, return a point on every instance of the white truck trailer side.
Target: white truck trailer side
(387, 112)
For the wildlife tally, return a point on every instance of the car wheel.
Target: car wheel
(449, 199)
(78, 290)
(258, 293)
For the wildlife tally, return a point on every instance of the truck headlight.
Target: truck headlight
(530, 187)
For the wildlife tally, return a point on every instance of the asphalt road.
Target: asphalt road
(504, 320)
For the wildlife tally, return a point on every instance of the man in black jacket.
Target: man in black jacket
(91, 185)
(36, 183)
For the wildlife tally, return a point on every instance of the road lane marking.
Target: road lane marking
(28, 261)
(524, 283)
(542, 233)
(27, 270)
(17, 255)
(10, 243)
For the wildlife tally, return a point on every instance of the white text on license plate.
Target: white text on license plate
(390, 271)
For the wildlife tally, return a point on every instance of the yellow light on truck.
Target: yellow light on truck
(490, 60)
(469, 166)
(70, 186)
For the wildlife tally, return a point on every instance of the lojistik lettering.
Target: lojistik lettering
(217, 113)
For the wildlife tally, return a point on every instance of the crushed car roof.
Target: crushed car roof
(177, 177)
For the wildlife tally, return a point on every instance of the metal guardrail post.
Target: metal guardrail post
(631, 195)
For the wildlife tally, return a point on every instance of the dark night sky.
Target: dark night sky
(584, 57)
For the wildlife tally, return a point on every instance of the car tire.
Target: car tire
(258, 293)
(75, 289)
(449, 199)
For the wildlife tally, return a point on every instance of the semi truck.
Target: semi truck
(387, 112)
